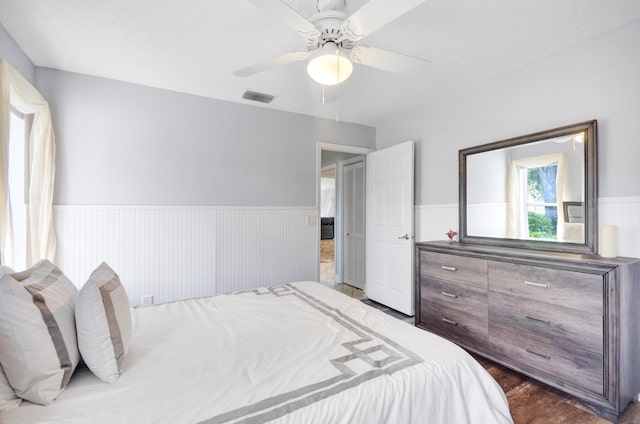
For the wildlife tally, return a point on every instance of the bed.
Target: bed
(297, 353)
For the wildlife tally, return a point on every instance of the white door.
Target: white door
(389, 227)
(353, 263)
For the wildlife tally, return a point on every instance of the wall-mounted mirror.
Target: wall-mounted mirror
(537, 191)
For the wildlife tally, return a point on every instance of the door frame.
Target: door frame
(329, 147)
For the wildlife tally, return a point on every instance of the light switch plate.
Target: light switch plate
(311, 221)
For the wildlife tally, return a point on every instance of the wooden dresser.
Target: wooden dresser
(568, 320)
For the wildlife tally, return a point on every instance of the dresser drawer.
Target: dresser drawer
(458, 296)
(459, 326)
(578, 329)
(459, 269)
(558, 287)
(532, 353)
(454, 311)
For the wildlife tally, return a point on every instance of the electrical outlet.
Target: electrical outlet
(147, 300)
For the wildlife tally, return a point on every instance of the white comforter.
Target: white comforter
(300, 353)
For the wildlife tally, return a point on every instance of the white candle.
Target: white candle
(608, 241)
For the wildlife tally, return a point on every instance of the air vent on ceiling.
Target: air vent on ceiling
(258, 97)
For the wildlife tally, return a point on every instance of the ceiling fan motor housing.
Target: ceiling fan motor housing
(324, 5)
(332, 27)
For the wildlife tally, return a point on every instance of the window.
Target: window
(540, 203)
(535, 189)
(17, 187)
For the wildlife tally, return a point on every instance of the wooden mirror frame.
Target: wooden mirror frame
(590, 191)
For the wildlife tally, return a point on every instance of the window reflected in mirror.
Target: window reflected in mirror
(539, 190)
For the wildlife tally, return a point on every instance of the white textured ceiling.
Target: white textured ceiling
(193, 46)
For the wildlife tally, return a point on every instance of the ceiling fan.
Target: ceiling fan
(332, 37)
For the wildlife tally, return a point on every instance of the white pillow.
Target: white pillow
(573, 232)
(8, 398)
(38, 346)
(103, 320)
(5, 269)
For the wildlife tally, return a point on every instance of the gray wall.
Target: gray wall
(126, 144)
(13, 54)
(487, 177)
(597, 79)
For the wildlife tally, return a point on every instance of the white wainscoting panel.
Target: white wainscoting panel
(432, 221)
(177, 252)
(623, 212)
(485, 216)
(265, 246)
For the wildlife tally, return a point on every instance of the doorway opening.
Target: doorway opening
(327, 224)
(336, 252)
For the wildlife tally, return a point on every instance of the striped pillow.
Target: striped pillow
(103, 319)
(38, 346)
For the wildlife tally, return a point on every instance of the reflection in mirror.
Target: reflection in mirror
(526, 185)
(531, 190)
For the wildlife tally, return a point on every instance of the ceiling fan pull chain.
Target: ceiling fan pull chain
(338, 103)
(337, 66)
(337, 85)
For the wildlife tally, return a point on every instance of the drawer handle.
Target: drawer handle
(451, 295)
(534, 284)
(449, 268)
(542, 320)
(448, 321)
(542, 355)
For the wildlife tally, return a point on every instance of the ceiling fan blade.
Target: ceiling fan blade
(389, 61)
(287, 15)
(285, 59)
(377, 13)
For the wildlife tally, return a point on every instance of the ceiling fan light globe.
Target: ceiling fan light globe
(330, 69)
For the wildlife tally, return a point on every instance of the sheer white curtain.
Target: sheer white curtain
(517, 225)
(41, 238)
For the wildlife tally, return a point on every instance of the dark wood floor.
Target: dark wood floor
(532, 402)
(327, 265)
